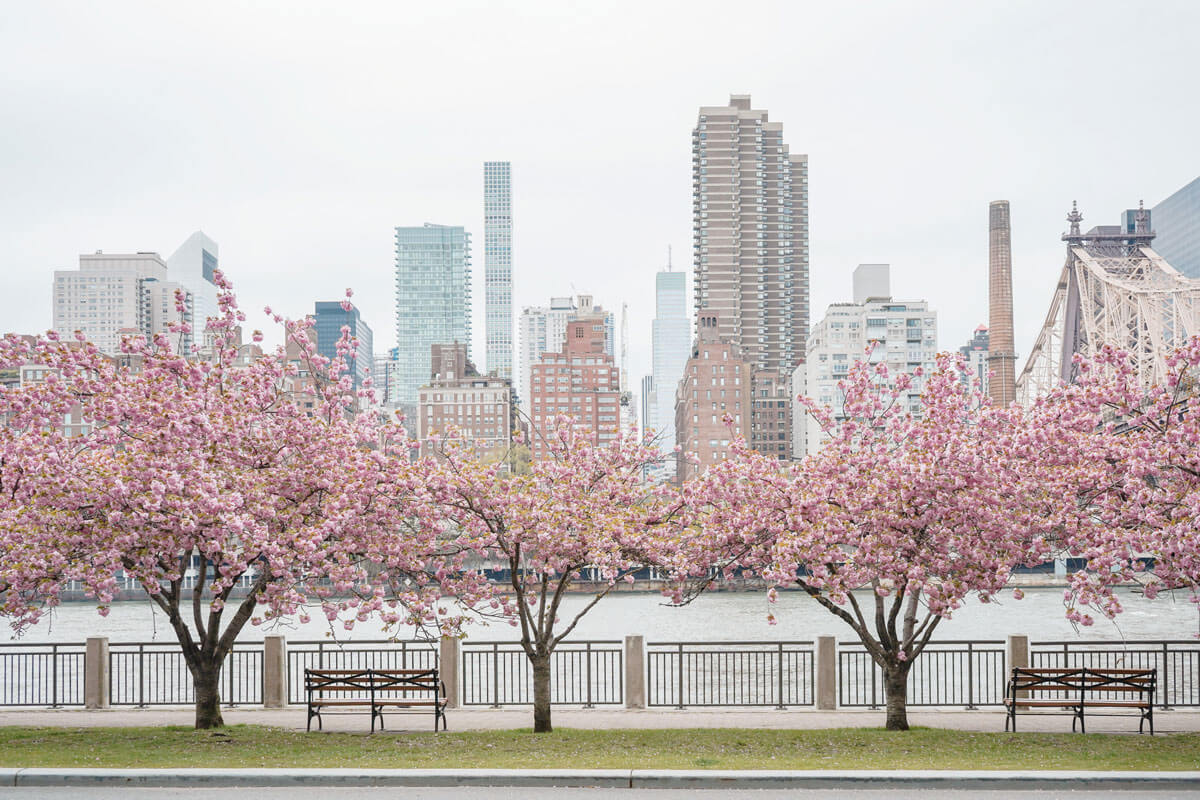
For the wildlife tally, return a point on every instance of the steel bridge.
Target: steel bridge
(1113, 290)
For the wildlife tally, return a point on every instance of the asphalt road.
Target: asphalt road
(480, 793)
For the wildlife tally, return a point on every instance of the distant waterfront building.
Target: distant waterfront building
(113, 296)
(715, 384)
(903, 334)
(544, 329)
(192, 266)
(1176, 224)
(497, 267)
(458, 398)
(582, 381)
(670, 336)
(975, 351)
(329, 317)
(433, 300)
(750, 233)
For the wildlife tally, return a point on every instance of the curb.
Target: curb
(602, 778)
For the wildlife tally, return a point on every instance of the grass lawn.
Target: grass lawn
(851, 748)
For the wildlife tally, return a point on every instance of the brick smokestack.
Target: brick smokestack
(1002, 354)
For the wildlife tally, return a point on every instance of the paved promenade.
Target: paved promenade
(505, 719)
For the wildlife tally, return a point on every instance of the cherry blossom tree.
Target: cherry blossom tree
(899, 517)
(584, 507)
(1145, 506)
(208, 461)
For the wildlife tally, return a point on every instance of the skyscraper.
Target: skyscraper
(192, 266)
(1176, 224)
(670, 335)
(433, 300)
(329, 317)
(750, 233)
(497, 267)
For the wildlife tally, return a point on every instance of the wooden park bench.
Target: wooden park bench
(1079, 689)
(375, 690)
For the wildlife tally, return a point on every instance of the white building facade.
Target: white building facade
(497, 268)
(901, 334)
(113, 296)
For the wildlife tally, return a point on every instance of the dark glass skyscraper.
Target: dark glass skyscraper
(329, 318)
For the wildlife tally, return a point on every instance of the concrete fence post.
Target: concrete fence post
(449, 661)
(1016, 652)
(275, 677)
(635, 671)
(96, 686)
(826, 673)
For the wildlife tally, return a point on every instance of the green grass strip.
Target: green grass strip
(851, 748)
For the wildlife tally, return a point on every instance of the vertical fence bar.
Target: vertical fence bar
(679, 679)
(54, 676)
(971, 677)
(495, 675)
(779, 677)
(1164, 691)
(588, 676)
(141, 659)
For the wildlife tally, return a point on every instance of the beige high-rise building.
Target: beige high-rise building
(750, 233)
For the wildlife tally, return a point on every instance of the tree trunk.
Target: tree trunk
(541, 694)
(895, 687)
(206, 682)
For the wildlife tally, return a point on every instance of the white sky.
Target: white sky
(299, 134)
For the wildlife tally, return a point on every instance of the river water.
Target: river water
(718, 616)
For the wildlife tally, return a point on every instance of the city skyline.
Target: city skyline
(940, 149)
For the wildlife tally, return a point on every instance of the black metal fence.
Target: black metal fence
(357, 654)
(682, 674)
(970, 674)
(948, 673)
(41, 674)
(1177, 662)
(587, 673)
(156, 674)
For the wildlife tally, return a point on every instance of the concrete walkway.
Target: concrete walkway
(509, 718)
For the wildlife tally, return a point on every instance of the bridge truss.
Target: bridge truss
(1113, 290)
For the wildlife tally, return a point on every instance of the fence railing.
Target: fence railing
(354, 654)
(947, 673)
(50, 674)
(155, 674)
(682, 674)
(969, 674)
(1177, 662)
(586, 673)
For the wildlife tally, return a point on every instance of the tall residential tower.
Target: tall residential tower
(750, 233)
(497, 267)
(433, 300)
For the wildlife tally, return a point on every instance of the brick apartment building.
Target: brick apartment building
(581, 381)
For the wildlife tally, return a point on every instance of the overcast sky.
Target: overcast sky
(299, 134)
